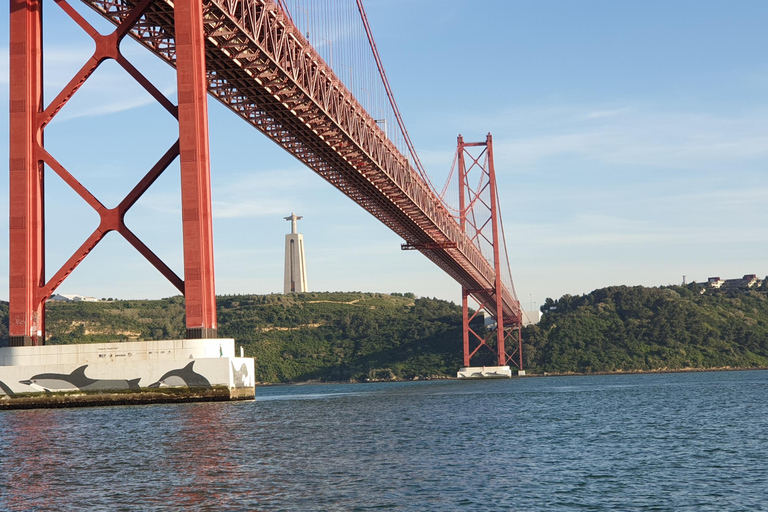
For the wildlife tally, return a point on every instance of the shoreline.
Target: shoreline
(659, 370)
(536, 375)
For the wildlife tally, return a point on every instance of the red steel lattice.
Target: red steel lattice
(28, 118)
(258, 64)
(480, 219)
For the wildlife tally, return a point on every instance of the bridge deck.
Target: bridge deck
(262, 68)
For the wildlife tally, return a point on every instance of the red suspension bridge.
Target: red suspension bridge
(327, 102)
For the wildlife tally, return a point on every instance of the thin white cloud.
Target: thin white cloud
(103, 108)
(522, 152)
(110, 90)
(725, 197)
(256, 208)
(605, 113)
(259, 194)
(612, 231)
(591, 229)
(638, 137)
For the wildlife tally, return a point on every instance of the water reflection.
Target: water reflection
(211, 460)
(632, 442)
(27, 460)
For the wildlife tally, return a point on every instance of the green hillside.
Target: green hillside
(311, 336)
(643, 329)
(358, 336)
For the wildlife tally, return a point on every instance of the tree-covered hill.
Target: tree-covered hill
(357, 336)
(342, 336)
(643, 329)
(310, 336)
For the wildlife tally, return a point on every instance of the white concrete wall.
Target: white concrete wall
(158, 364)
(484, 372)
(90, 353)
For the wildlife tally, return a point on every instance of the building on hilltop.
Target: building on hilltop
(748, 281)
(71, 298)
(715, 282)
(295, 280)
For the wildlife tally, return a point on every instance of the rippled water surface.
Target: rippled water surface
(673, 442)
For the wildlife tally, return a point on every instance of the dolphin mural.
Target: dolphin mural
(78, 381)
(6, 390)
(240, 377)
(183, 377)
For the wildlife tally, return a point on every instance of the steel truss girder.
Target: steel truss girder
(261, 67)
(29, 289)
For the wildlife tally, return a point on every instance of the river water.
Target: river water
(677, 442)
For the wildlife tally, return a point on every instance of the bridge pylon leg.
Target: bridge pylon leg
(26, 222)
(29, 161)
(195, 169)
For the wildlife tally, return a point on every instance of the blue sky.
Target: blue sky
(631, 146)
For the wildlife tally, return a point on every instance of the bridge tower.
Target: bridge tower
(29, 115)
(480, 219)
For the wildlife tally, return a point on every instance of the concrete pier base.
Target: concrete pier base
(484, 372)
(124, 373)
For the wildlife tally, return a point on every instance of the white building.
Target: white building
(71, 298)
(748, 281)
(715, 282)
(295, 280)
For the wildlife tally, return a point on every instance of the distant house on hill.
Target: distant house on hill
(748, 281)
(71, 298)
(715, 282)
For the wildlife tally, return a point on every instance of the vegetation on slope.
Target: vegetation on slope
(310, 336)
(643, 329)
(358, 336)
(343, 336)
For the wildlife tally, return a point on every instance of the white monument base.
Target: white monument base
(484, 372)
(121, 373)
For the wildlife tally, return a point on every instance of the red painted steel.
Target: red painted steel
(260, 66)
(390, 94)
(29, 116)
(195, 169)
(27, 262)
(496, 260)
(479, 213)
